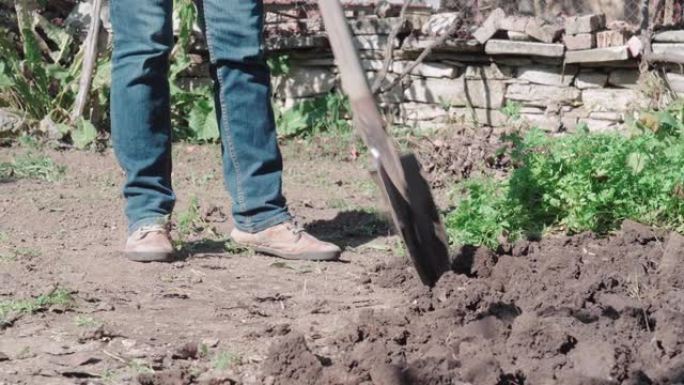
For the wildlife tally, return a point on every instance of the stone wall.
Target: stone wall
(552, 76)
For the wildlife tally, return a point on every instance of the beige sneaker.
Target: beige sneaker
(288, 241)
(149, 244)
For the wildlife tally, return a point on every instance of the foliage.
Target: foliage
(55, 297)
(311, 117)
(39, 73)
(31, 166)
(580, 182)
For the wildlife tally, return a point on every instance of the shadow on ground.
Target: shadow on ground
(351, 228)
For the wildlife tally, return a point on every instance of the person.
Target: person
(141, 128)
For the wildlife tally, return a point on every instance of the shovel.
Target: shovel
(399, 177)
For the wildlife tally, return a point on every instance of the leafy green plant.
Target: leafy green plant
(512, 110)
(279, 65)
(327, 114)
(59, 296)
(32, 166)
(579, 182)
(224, 360)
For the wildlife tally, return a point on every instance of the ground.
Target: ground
(569, 309)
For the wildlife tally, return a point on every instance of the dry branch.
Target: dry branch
(89, 60)
(389, 50)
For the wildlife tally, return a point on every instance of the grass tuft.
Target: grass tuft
(32, 166)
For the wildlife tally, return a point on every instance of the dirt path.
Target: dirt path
(566, 310)
(129, 318)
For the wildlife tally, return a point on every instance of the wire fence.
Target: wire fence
(662, 12)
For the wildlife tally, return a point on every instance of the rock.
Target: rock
(9, 121)
(457, 92)
(543, 31)
(491, 72)
(518, 36)
(669, 37)
(279, 43)
(676, 81)
(415, 45)
(507, 47)
(552, 76)
(593, 359)
(610, 39)
(373, 42)
(372, 65)
(607, 115)
(591, 79)
(597, 55)
(479, 116)
(428, 70)
(440, 23)
(392, 96)
(584, 24)
(422, 111)
(661, 48)
(303, 82)
(613, 99)
(597, 126)
(514, 23)
(579, 41)
(372, 25)
(671, 266)
(546, 122)
(188, 350)
(4, 357)
(624, 78)
(490, 26)
(542, 95)
(635, 46)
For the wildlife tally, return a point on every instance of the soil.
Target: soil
(577, 310)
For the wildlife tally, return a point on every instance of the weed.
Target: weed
(58, 296)
(190, 221)
(311, 117)
(86, 321)
(224, 360)
(139, 366)
(32, 166)
(579, 182)
(108, 376)
(3, 237)
(26, 252)
(512, 110)
(279, 65)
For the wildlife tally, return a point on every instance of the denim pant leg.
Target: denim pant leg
(140, 110)
(252, 161)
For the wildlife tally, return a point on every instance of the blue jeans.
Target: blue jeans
(140, 110)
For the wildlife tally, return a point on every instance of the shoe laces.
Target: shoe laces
(293, 226)
(142, 231)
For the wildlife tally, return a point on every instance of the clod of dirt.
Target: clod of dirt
(672, 265)
(636, 232)
(290, 362)
(166, 377)
(573, 310)
(102, 333)
(187, 351)
(4, 357)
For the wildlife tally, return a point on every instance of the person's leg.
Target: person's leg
(251, 158)
(141, 122)
(252, 161)
(140, 111)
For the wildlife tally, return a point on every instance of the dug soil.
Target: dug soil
(566, 310)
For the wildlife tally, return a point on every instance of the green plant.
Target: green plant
(224, 360)
(190, 220)
(279, 65)
(512, 110)
(32, 166)
(58, 296)
(311, 117)
(579, 182)
(86, 321)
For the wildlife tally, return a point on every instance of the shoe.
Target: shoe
(289, 241)
(149, 244)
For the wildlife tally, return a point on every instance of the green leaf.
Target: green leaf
(202, 121)
(83, 134)
(636, 162)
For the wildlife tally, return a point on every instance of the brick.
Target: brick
(597, 55)
(507, 47)
(542, 31)
(624, 78)
(579, 41)
(542, 95)
(586, 80)
(458, 92)
(635, 46)
(490, 26)
(552, 76)
(518, 36)
(514, 23)
(376, 26)
(610, 39)
(440, 23)
(669, 37)
(608, 99)
(584, 24)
